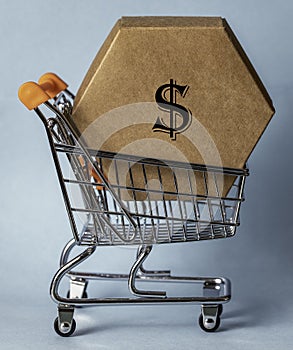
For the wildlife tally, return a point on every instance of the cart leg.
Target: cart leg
(145, 272)
(144, 252)
(65, 324)
(66, 252)
(77, 285)
(65, 269)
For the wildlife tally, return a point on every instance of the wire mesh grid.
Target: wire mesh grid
(166, 201)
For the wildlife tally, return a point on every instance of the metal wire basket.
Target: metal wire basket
(107, 205)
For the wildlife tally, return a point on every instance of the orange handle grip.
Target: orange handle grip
(32, 94)
(52, 84)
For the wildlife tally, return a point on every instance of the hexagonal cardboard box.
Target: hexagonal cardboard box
(173, 88)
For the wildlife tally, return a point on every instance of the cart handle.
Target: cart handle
(33, 95)
(52, 84)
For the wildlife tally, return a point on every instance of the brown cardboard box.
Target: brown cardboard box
(174, 88)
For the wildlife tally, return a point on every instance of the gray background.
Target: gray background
(63, 37)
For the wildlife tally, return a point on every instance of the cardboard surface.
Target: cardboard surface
(175, 88)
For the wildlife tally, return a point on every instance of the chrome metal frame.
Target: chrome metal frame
(109, 220)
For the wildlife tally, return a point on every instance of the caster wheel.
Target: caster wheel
(84, 295)
(209, 325)
(65, 330)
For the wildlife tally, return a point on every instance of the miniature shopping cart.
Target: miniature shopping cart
(99, 216)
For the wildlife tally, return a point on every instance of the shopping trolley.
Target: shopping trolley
(99, 216)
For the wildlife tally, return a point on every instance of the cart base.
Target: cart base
(215, 290)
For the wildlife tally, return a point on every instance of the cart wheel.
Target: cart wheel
(84, 295)
(65, 330)
(209, 325)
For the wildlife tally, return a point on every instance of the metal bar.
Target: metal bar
(223, 213)
(135, 200)
(172, 215)
(164, 203)
(195, 206)
(145, 272)
(148, 198)
(209, 203)
(155, 217)
(166, 278)
(119, 193)
(143, 254)
(161, 162)
(179, 204)
(199, 196)
(143, 300)
(240, 195)
(104, 190)
(70, 94)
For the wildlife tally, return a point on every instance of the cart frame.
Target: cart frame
(132, 226)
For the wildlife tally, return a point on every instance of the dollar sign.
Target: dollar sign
(175, 110)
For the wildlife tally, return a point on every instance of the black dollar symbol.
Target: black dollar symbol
(175, 110)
